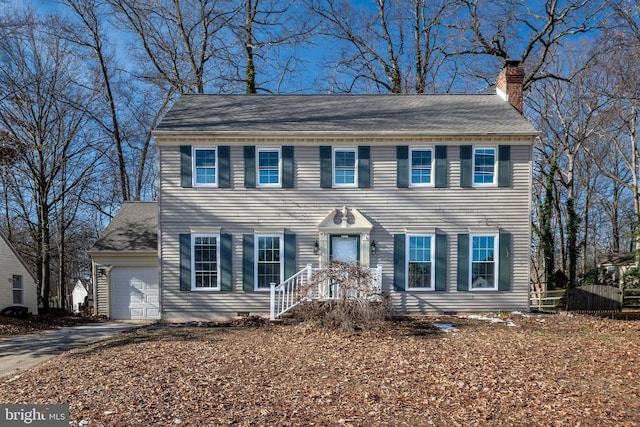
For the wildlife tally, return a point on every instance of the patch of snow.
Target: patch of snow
(177, 421)
(83, 423)
(446, 327)
(109, 412)
(488, 319)
(519, 313)
(511, 324)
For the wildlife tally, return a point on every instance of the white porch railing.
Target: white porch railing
(299, 288)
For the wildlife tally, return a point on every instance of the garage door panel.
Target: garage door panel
(135, 293)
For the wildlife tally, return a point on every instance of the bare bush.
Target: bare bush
(344, 296)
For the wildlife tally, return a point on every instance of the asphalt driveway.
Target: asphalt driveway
(20, 352)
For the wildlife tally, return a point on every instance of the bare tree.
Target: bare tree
(530, 32)
(264, 28)
(38, 115)
(127, 125)
(375, 48)
(179, 39)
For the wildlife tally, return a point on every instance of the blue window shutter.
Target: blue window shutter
(441, 262)
(249, 166)
(504, 166)
(287, 167)
(402, 166)
(504, 262)
(224, 166)
(226, 251)
(441, 166)
(364, 166)
(463, 262)
(399, 262)
(326, 173)
(248, 263)
(290, 250)
(466, 166)
(185, 262)
(186, 178)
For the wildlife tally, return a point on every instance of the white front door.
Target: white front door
(345, 248)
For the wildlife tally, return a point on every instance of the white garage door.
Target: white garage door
(135, 294)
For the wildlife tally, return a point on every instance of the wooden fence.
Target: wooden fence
(592, 298)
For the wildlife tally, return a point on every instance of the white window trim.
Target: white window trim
(279, 183)
(256, 246)
(193, 263)
(355, 167)
(194, 169)
(421, 184)
(496, 254)
(21, 288)
(494, 183)
(407, 260)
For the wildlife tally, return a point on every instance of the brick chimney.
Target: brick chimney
(509, 84)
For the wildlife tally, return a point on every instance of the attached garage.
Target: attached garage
(126, 267)
(135, 293)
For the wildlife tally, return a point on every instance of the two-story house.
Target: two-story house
(434, 189)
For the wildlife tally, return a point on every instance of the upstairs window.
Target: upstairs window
(205, 161)
(483, 262)
(344, 167)
(421, 166)
(268, 167)
(484, 167)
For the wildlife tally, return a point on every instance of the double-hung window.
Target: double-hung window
(421, 166)
(484, 166)
(344, 167)
(484, 262)
(268, 167)
(420, 266)
(17, 289)
(269, 266)
(204, 166)
(205, 262)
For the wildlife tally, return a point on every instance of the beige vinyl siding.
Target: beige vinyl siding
(102, 293)
(299, 210)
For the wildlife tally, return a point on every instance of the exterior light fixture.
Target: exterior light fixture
(316, 248)
(373, 247)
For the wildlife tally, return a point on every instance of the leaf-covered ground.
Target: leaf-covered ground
(554, 370)
(12, 326)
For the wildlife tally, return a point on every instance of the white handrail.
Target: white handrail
(284, 296)
(288, 294)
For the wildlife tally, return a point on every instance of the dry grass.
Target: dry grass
(551, 371)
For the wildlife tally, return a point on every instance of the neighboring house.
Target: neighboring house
(125, 265)
(434, 189)
(79, 296)
(18, 286)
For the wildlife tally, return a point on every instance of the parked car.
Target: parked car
(15, 311)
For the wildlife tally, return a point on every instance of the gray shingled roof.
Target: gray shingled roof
(390, 114)
(134, 228)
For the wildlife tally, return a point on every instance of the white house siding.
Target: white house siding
(299, 210)
(10, 265)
